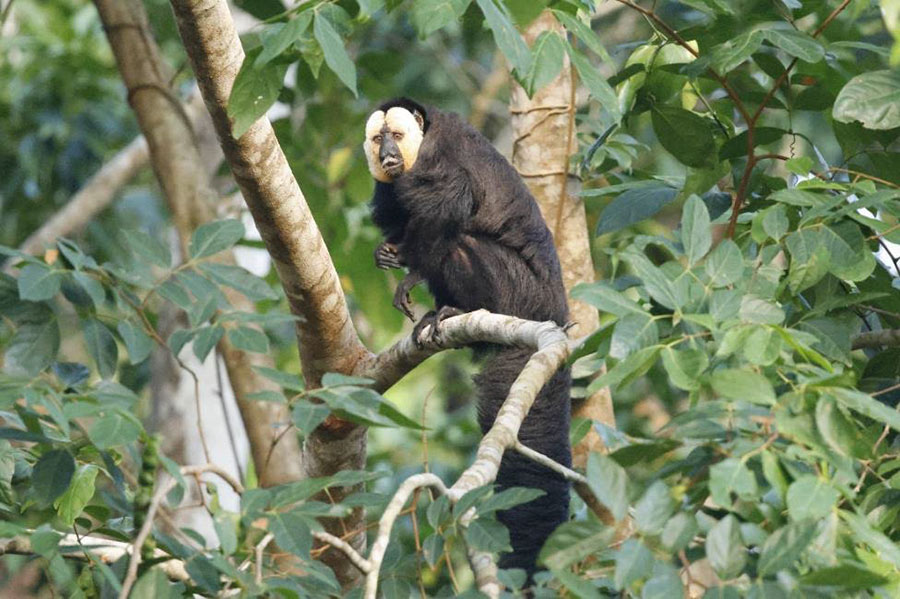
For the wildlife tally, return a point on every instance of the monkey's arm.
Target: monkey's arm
(440, 199)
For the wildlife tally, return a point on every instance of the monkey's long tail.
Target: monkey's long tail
(546, 430)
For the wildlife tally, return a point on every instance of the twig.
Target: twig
(386, 523)
(258, 552)
(550, 463)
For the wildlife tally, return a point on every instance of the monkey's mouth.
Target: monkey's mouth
(392, 166)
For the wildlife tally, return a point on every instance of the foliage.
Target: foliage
(769, 130)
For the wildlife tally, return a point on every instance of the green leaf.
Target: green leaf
(240, 279)
(509, 498)
(548, 51)
(487, 535)
(255, 90)
(249, 339)
(33, 348)
(292, 533)
(743, 385)
(70, 505)
(846, 576)
(796, 43)
(760, 311)
(144, 247)
(573, 541)
(136, 341)
(101, 345)
(732, 53)
(599, 88)
(336, 56)
(469, 499)
(684, 134)
(52, 474)
(627, 370)
(433, 549)
(283, 379)
(724, 548)
(584, 33)
(91, 286)
(206, 339)
(850, 258)
(784, 546)
(679, 531)
(655, 280)
(885, 547)
(278, 37)
(736, 147)
(428, 16)
(695, 229)
(633, 562)
(725, 264)
(866, 405)
(307, 415)
(506, 36)
(653, 510)
(212, 238)
(633, 206)
(872, 98)
(684, 367)
(113, 430)
(608, 482)
(731, 476)
(38, 282)
(810, 497)
(605, 299)
(154, 584)
(171, 290)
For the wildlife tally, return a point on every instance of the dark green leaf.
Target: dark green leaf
(846, 576)
(796, 43)
(240, 279)
(509, 498)
(634, 206)
(584, 33)
(684, 134)
(784, 546)
(433, 549)
(33, 348)
(736, 147)
(113, 430)
(291, 533)
(732, 53)
(206, 339)
(307, 415)
(101, 345)
(597, 85)
(52, 474)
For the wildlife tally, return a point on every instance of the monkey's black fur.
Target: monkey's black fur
(464, 220)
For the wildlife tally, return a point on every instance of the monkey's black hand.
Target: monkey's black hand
(433, 319)
(401, 295)
(387, 255)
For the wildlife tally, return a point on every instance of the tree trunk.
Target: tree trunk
(543, 142)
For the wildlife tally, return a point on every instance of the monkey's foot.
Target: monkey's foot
(387, 255)
(401, 295)
(434, 320)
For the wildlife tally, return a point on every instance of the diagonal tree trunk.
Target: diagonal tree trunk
(182, 175)
(543, 142)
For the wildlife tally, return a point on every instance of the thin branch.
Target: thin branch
(364, 565)
(258, 554)
(550, 463)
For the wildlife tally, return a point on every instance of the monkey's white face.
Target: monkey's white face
(392, 142)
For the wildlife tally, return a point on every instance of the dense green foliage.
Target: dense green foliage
(755, 443)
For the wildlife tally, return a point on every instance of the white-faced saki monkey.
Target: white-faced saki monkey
(456, 214)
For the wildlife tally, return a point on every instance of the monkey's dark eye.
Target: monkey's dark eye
(377, 139)
(397, 136)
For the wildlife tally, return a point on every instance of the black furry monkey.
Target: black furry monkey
(457, 214)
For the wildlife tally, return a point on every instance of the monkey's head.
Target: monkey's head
(394, 135)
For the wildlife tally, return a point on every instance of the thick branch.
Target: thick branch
(886, 337)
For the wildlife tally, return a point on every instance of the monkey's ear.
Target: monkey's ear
(419, 119)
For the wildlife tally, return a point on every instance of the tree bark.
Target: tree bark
(327, 339)
(182, 175)
(543, 142)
